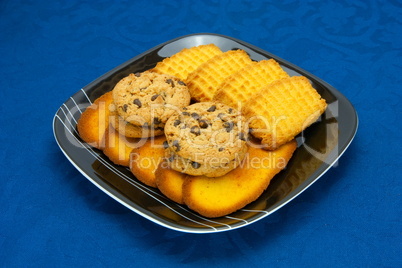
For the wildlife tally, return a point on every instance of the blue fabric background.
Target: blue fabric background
(52, 216)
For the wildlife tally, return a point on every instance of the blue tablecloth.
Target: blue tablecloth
(51, 215)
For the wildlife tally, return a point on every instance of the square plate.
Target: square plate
(319, 146)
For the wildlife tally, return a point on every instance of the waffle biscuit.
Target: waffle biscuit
(205, 80)
(216, 197)
(148, 99)
(145, 159)
(238, 87)
(129, 130)
(170, 182)
(206, 138)
(118, 147)
(94, 120)
(187, 60)
(281, 110)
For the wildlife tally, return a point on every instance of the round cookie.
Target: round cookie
(148, 99)
(129, 130)
(206, 138)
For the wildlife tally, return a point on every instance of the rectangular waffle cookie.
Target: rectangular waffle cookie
(205, 80)
(238, 87)
(281, 110)
(187, 60)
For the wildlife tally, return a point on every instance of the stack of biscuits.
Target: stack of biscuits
(199, 125)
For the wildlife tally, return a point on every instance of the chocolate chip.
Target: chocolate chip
(228, 126)
(242, 136)
(195, 116)
(185, 113)
(176, 144)
(221, 149)
(165, 145)
(181, 83)
(212, 108)
(203, 123)
(154, 97)
(124, 108)
(195, 165)
(184, 108)
(195, 130)
(157, 121)
(230, 110)
(137, 74)
(176, 123)
(137, 102)
(170, 81)
(171, 158)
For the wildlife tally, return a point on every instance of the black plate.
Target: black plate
(319, 148)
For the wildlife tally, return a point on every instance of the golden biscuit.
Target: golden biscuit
(281, 110)
(205, 80)
(118, 147)
(216, 197)
(94, 120)
(145, 159)
(170, 182)
(187, 60)
(238, 87)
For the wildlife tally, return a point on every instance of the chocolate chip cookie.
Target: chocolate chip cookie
(148, 99)
(206, 138)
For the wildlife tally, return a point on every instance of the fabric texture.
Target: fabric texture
(51, 215)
